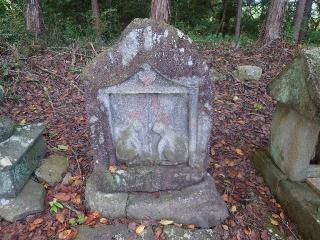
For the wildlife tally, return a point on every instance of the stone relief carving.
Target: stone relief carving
(172, 147)
(128, 145)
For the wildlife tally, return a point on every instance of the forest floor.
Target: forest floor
(45, 86)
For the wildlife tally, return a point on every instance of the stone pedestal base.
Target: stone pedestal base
(198, 204)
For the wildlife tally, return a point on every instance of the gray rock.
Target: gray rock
(112, 205)
(1, 94)
(199, 204)
(52, 169)
(112, 232)
(29, 201)
(20, 155)
(248, 72)
(6, 128)
(175, 233)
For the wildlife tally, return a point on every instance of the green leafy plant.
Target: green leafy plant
(55, 206)
(77, 221)
(257, 107)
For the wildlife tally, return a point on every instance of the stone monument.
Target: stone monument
(149, 107)
(21, 149)
(295, 139)
(293, 155)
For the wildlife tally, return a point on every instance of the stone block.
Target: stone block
(175, 233)
(20, 155)
(199, 204)
(52, 169)
(29, 201)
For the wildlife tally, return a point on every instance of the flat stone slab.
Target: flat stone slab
(20, 155)
(248, 72)
(112, 232)
(199, 204)
(29, 201)
(300, 201)
(175, 233)
(52, 169)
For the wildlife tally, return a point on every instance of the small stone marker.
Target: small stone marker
(149, 105)
(295, 139)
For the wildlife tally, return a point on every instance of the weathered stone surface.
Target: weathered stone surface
(175, 233)
(273, 176)
(19, 156)
(298, 86)
(248, 72)
(29, 201)
(67, 179)
(145, 98)
(149, 179)
(110, 204)
(6, 128)
(199, 204)
(1, 94)
(299, 200)
(111, 232)
(293, 142)
(52, 169)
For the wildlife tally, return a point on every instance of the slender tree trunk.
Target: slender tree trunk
(95, 14)
(160, 10)
(298, 18)
(306, 17)
(238, 22)
(274, 22)
(223, 17)
(109, 2)
(33, 17)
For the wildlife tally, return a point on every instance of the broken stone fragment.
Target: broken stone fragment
(52, 169)
(29, 201)
(248, 72)
(6, 127)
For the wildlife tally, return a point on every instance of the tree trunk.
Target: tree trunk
(222, 24)
(306, 17)
(160, 10)
(33, 17)
(109, 2)
(301, 4)
(274, 22)
(95, 14)
(238, 22)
